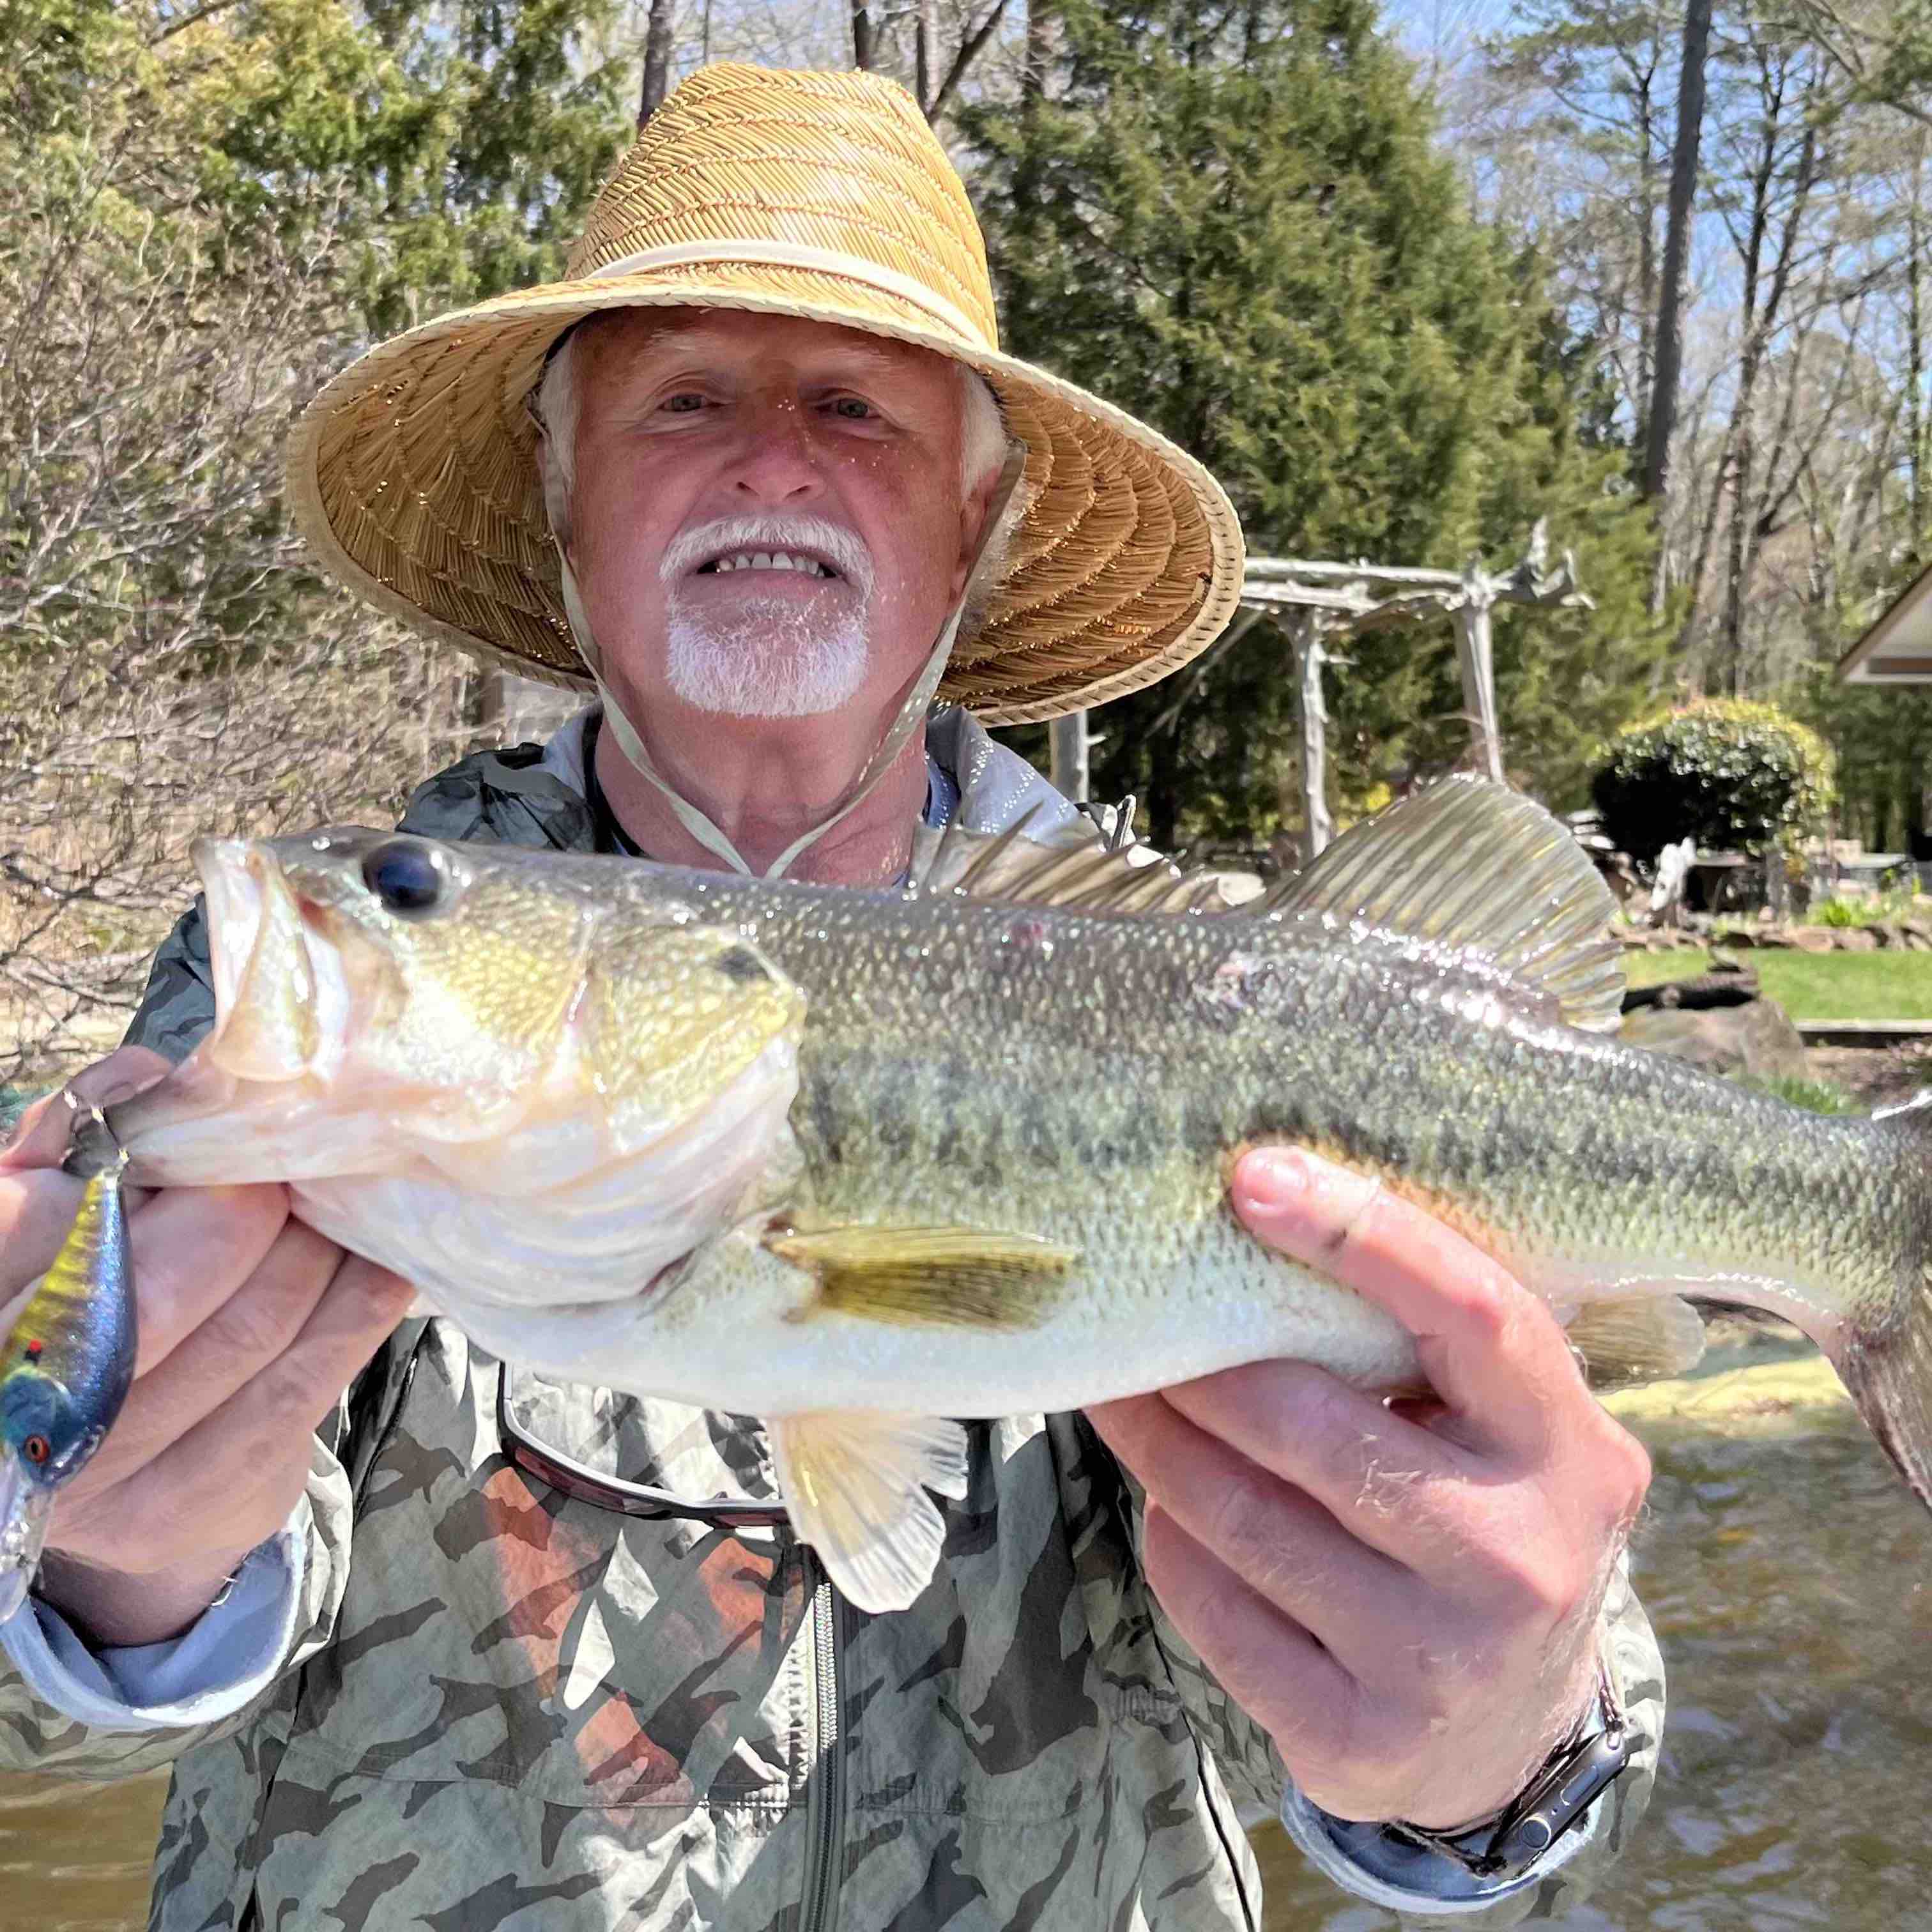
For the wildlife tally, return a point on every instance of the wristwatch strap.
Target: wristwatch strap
(1573, 1776)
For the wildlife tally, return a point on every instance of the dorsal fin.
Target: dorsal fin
(1481, 869)
(1080, 875)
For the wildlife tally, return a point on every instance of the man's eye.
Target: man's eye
(686, 403)
(854, 409)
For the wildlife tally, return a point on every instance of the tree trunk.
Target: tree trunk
(657, 61)
(1760, 320)
(1669, 358)
(1032, 69)
(1022, 332)
(1915, 330)
(1643, 82)
(973, 41)
(925, 57)
(1163, 798)
(862, 36)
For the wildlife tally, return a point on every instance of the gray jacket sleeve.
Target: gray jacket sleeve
(302, 1592)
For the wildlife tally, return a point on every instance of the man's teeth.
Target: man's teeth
(771, 559)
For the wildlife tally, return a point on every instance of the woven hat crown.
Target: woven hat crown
(841, 167)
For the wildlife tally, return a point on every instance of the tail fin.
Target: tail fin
(1889, 1369)
(1890, 1376)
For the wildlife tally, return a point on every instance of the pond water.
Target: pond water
(1785, 1566)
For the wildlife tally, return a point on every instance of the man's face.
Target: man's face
(768, 519)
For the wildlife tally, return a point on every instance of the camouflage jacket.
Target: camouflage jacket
(493, 1708)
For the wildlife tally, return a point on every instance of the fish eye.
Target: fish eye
(408, 877)
(742, 963)
(37, 1449)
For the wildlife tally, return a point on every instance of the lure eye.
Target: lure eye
(407, 877)
(37, 1449)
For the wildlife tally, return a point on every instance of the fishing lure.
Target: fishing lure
(66, 1368)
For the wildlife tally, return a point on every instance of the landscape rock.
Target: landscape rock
(1732, 987)
(1856, 939)
(1812, 938)
(1757, 1038)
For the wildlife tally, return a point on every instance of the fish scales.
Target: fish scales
(1540, 1140)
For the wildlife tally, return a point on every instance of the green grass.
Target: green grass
(1656, 969)
(1814, 986)
(1815, 1096)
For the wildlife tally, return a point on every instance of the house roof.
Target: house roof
(1897, 649)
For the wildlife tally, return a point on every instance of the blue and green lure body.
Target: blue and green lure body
(66, 1367)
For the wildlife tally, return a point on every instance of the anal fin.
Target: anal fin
(1627, 1339)
(855, 1482)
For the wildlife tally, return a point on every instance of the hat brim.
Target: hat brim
(413, 478)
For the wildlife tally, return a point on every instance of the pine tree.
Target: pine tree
(1237, 225)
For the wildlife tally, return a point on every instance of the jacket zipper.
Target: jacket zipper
(827, 1811)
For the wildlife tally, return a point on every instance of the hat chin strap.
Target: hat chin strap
(910, 717)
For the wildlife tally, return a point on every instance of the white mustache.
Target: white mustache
(725, 535)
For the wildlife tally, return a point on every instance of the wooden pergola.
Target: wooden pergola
(1317, 602)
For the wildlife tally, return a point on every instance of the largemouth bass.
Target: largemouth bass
(862, 1163)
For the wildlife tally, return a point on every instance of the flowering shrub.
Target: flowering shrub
(1731, 774)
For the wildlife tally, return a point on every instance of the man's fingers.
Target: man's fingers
(292, 1394)
(251, 1328)
(1281, 1542)
(37, 1209)
(41, 1136)
(1491, 1350)
(192, 1248)
(1370, 1470)
(238, 1472)
(1274, 1670)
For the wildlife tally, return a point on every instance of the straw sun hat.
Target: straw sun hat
(413, 475)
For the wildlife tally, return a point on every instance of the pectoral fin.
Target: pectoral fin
(956, 1277)
(855, 1482)
(1637, 1338)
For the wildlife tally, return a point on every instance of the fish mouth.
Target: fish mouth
(232, 882)
(279, 989)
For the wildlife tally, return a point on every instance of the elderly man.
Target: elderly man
(432, 1641)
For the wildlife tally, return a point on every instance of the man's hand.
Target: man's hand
(1406, 1599)
(251, 1325)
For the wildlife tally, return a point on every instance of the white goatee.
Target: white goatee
(769, 657)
